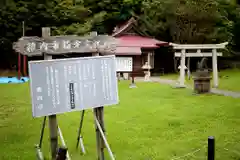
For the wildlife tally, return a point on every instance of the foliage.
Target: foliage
(183, 21)
(188, 21)
(191, 21)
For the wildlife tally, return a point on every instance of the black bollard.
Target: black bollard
(211, 148)
(62, 154)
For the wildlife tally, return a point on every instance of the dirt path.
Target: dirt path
(174, 83)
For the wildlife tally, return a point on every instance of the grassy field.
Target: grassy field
(152, 122)
(228, 79)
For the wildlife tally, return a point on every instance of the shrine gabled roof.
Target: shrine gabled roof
(132, 44)
(126, 39)
(120, 29)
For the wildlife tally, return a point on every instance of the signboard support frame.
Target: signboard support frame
(39, 146)
(98, 116)
(100, 130)
(98, 112)
(54, 129)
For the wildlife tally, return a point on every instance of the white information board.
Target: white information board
(73, 84)
(124, 64)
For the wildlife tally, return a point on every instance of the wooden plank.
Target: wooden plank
(53, 135)
(35, 46)
(196, 54)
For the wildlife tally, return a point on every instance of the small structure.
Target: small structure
(146, 69)
(198, 53)
(134, 48)
(202, 79)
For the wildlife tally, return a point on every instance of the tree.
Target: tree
(61, 15)
(187, 21)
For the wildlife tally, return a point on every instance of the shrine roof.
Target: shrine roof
(136, 39)
(123, 27)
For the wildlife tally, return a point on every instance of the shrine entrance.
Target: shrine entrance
(197, 50)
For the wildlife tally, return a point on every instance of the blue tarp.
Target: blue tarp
(13, 80)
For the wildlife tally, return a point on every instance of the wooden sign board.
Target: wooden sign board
(73, 84)
(124, 64)
(34, 46)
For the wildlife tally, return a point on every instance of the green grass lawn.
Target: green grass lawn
(152, 122)
(228, 79)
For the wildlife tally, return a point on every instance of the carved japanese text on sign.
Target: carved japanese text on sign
(32, 46)
(72, 84)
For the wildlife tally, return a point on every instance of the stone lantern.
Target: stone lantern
(146, 70)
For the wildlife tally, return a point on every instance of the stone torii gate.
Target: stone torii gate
(183, 54)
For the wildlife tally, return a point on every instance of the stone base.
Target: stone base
(197, 94)
(179, 86)
(132, 85)
(147, 80)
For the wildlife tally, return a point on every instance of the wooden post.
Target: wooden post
(25, 65)
(149, 62)
(101, 120)
(24, 57)
(182, 69)
(19, 65)
(215, 68)
(100, 117)
(53, 127)
(100, 142)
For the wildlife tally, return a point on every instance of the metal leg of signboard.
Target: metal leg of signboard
(100, 134)
(118, 76)
(39, 146)
(79, 137)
